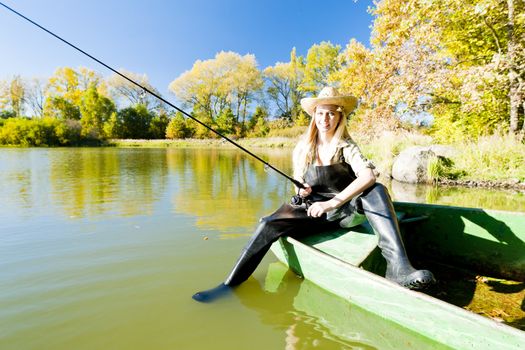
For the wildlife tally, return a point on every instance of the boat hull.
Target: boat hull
(348, 263)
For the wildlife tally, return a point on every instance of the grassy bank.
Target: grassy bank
(490, 161)
(270, 142)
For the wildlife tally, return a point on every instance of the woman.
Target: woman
(340, 186)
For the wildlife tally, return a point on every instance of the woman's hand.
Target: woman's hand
(305, 192)
(319, 208)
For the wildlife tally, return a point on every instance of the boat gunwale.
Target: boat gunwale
(460, 312)
(443, 206)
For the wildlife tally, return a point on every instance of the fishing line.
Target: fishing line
(266, 164)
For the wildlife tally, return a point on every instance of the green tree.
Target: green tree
(303, 119)
(258, 125)
(259, 113)
(68, 132)
(176, 128)
(6, 114)
(61, 108)
(113, 126)
(226, 122)
(67, 91)
(40, 132)
(95, 110)
(135, 122)
(158, 125)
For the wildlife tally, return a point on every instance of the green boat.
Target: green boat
(485, 242)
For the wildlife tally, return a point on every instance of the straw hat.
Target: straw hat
(329, 96)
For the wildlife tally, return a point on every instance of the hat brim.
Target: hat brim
(349, 103)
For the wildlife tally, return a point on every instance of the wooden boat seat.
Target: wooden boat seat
(353, 246)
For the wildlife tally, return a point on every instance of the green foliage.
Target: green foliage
(258, 124)
(95, 110)
(283, 128)
(39, 132)
(6, 114)
(61, 108)
(492, 157)
(261, 129)
(225, 122)
(135, 122)
(442, 168)
(260, 112)
(303, 119)
(158, 126)
(113, 127)
(197, 130)
(68, 132)
(177, 128)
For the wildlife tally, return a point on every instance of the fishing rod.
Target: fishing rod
(266, 164)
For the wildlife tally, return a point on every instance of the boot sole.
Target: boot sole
(424, 279)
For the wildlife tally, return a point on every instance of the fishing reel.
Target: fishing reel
(300, 201)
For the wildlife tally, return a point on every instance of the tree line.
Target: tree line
(454, 67)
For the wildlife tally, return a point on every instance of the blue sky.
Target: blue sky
(164, 38)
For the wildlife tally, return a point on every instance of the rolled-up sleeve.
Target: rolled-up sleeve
(353, 156)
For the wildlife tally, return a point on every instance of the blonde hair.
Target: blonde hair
(305, 151)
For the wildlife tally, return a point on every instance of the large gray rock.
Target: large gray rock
(411, 165)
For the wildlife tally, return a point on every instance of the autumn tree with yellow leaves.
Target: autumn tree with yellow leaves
(460, 61)
(211, 87)
(455, 67)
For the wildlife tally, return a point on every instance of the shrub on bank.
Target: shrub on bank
(492, 157)
(284, 128)
(39, 132)
(496, 157)
(384, 148)
(177, 128)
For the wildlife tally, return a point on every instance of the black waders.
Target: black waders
(292, 220)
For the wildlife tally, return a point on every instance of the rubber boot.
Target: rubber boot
(252, 254)
(207, 296)
(247, 262)
(286, 220)
(379, 210)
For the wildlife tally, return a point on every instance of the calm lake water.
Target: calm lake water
(102, 248)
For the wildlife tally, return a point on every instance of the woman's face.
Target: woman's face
(327, 118)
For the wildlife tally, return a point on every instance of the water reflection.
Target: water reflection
(224, 189)
(495, 199)
(91, 182)
(319, 319)
(131, 279)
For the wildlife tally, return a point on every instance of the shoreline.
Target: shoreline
(512, 184)
(272, 142)
(285, 143)
(288, 143)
